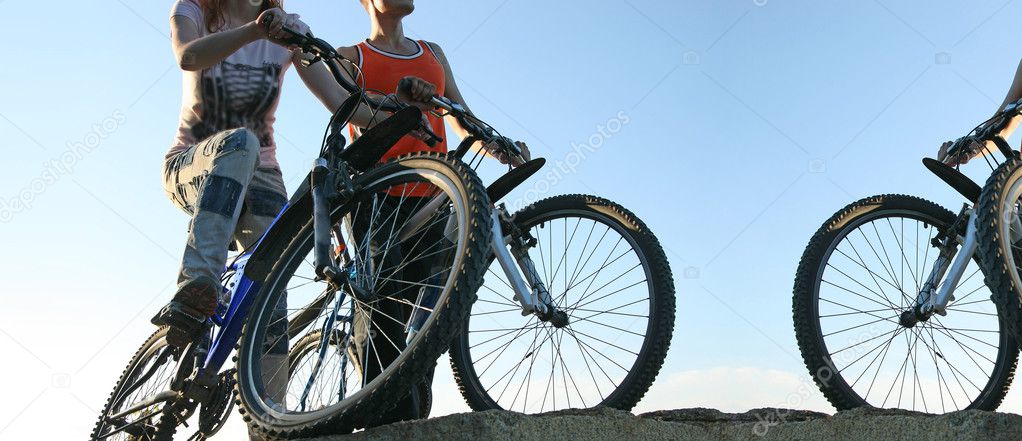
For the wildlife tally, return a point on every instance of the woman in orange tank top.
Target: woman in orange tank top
(387, 56)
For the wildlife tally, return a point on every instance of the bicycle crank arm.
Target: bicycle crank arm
(161, 397)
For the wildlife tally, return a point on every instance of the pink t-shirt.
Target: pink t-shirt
(241, 91)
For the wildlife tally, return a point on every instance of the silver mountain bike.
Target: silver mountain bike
(892, 302)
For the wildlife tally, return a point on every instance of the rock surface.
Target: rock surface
(702, 424)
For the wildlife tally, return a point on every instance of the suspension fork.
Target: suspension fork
(520, 270)
(524, 294)
(949, 267)
(328, 185)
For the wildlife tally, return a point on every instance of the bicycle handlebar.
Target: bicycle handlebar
(324, 51)
(987, 131)
(474, 125)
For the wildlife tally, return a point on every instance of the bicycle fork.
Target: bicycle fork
(530, 291)
(949, 267)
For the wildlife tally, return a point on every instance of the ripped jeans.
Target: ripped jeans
(219, 183)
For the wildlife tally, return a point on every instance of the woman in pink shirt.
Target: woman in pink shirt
(221, 168)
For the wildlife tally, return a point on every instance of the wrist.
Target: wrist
(251, 32)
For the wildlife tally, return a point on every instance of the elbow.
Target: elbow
(187, 61)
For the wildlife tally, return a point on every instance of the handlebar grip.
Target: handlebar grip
(405, 86)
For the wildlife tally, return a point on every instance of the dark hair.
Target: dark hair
(213, 11)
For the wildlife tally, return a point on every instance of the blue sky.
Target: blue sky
(749, 123)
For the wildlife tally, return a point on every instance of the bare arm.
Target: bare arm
(452, 93)
(1014, 94)
(197, 53)
(321, 83)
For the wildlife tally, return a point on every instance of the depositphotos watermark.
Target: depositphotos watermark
(579, 153)
(822, 377)
(63, 165)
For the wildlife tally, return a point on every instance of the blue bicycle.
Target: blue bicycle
(381, 261)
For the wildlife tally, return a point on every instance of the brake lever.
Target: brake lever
(433, 140)
(511, 146)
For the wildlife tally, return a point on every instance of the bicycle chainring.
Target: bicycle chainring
(217, 408)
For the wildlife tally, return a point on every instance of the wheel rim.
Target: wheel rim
(1008, 227)
(871, 274)
(596, 273)
(341, 367)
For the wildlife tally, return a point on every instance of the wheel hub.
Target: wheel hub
(555, 317)
(913, 316)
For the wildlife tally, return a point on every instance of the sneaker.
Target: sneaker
(187, 313)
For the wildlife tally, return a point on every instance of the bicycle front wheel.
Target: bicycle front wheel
(607, 271)
(412, 243)
(864, 268)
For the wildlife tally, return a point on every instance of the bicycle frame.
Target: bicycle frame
(243, 287)
(229, 325)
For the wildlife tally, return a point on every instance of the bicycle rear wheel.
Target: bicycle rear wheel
(861, 270)
(414, 282)
(607, 271)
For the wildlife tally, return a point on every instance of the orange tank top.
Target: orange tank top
(382, 70)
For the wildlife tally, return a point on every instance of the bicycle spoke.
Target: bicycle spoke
(589, 269)
(883, 362)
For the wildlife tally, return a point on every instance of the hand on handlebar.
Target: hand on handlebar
(499, 152)
(414, 91)
(272, 23)
(422, 94)
(417, 92)
(958, 152)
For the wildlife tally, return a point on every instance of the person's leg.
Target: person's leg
(207, 181)
(427, 254)
(378, 326)
(420, 258)
(265, 197)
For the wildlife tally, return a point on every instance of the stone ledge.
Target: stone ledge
(701, 424)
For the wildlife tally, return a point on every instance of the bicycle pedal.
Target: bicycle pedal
(186, 324)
